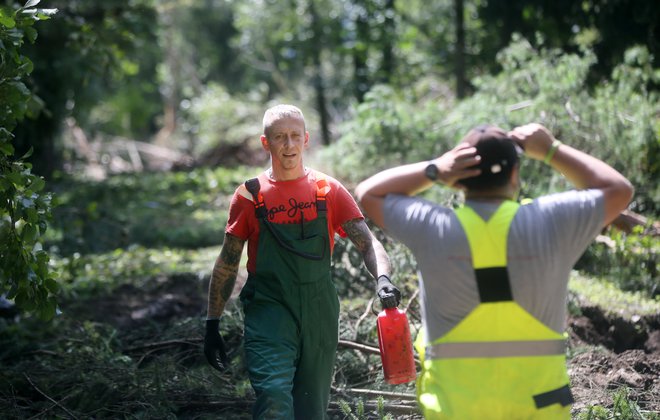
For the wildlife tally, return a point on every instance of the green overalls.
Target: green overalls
(499, 362)
(291, 315)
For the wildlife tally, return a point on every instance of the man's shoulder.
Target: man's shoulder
(316, 175)
(567, 197)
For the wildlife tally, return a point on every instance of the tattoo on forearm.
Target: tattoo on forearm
(224, 275)
(373, 253)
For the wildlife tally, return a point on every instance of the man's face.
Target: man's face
(286, 141)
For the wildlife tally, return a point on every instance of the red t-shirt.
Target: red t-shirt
(285, 200)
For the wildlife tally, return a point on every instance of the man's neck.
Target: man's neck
(280, 174)
(491, 195)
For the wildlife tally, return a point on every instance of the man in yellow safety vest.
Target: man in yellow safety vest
(494, 273)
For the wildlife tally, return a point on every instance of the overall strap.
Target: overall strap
(322, 190)
(253, 186)
(488, 240)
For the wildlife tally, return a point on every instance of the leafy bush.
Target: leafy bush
(617, 121)
(631, 261)
(215, 117)
(24, 208)
(178, 209)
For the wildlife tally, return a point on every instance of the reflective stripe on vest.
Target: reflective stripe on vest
(496, 349)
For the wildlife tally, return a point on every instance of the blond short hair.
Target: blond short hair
(278, 112)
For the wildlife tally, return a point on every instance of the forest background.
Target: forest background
(126, 125)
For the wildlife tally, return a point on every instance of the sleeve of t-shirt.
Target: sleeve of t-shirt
(344, 207)
(238, 223)
(409, 218)
(576, 216)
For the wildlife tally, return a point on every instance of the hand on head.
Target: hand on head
(456, 164)
(533, 138)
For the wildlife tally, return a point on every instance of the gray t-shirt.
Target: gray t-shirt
(546, 238)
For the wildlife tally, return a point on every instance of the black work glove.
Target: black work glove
(385, 288)
(214, 347)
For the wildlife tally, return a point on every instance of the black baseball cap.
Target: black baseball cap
(499, 155)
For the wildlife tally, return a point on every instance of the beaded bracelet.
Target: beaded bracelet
(551, 151)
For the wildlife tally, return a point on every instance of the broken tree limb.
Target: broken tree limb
(49, 398)
(627, 220)
(167, 343)
(400, 409)
(376, 393)
(362, 347)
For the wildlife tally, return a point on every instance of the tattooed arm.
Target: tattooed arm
(374, 255)
(224, 275)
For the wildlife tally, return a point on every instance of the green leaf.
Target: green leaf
(26, 67)
(29, 233)
(12, 291)
(31, 215)
(28, 153)
(52, 285)
(16, 178)
(6, 21)
(49, 309)
(31, 33)
(45, 14)
(37, 184)
(7, 149)
(24, 300)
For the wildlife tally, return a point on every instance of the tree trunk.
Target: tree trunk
(459, 69)
(319, 85)
(360, 52)
(169, 89)
(388, 42)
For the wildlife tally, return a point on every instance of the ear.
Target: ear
(515, 176)
(264, 143)
(306, 142)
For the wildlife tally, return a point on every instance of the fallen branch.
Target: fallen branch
(411, 300)
(48, 397)
(627, 220)
(149, 346)
(362, 347)
(366, 313)
(390, 408)
(375, 392)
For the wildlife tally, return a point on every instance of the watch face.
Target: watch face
(431, 172)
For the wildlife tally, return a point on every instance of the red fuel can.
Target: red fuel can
(395, 342)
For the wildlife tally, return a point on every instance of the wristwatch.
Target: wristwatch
(431, 172)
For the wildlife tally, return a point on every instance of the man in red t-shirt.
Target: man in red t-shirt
(289, 215)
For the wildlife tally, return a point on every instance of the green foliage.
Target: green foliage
(630, 261)
(24, 208)
(623, 408)
(88, 53)
(616, 121)
(93, 274)
(359, 412)
(125, 210)
(17, 28)
(386, 130)
(216, 118)
(605, 293)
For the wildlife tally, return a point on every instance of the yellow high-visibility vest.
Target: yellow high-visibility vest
(499, 362)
